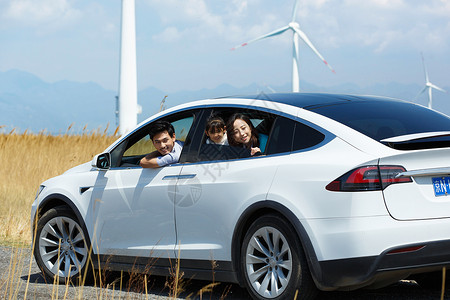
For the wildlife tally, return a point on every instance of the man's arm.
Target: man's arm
(150, 160)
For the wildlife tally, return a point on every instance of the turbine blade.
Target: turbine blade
(294, 10)
(270, 34)
(430, 98)
(295, 75)
(424, 68)
(421, 92)
(269, 88)
(437, 88)
(308, 42)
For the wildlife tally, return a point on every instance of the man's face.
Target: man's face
(163, 142)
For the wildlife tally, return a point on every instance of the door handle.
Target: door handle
(184, 176)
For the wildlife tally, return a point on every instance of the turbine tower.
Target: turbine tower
(428, 85)
(295, 27)
(128, 107)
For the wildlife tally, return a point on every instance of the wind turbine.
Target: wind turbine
(428, 85)
(295, 27)
(128, 107)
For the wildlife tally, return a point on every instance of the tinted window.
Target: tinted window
(384, 119)
(210, 152)
(381, 119)
(281, 136)
(305, 137)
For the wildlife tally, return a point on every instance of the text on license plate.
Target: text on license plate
(441, 186)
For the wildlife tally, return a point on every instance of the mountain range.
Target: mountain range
(30, 103)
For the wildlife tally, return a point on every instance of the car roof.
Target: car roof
(312, 100)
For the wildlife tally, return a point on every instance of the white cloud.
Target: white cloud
(239, 6)
(388, 4)
(193, 16)
(170, 34)
(200, 20)
(383, 25)
(36, 12)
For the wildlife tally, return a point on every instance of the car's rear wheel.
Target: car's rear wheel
(273, 263)
(61, 248)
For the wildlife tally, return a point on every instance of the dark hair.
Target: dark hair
(254, 140)
(161, 126)
(214, 123)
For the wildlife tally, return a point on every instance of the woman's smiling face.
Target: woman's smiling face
(241, 132)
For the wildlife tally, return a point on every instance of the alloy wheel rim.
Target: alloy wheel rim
(62, 247)
(268, 262)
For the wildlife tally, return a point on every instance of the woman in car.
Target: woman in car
(241, 132)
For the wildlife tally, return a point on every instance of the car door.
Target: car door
(135, 206)
(212, 193)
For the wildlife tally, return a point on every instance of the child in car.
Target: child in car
(216, 131)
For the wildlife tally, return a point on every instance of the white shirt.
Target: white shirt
(172, 157)
(224, 141)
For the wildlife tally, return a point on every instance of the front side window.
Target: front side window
(131, 150)
(141, 147)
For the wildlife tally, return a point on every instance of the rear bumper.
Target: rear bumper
(385, 269)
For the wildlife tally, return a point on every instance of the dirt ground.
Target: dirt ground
(14, 272)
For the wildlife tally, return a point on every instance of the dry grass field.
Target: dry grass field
(28, 159)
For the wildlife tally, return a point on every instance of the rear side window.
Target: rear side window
(288, 135)
(281, 136)
(261, 121)
(305, 137)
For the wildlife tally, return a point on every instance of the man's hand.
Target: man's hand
(150, 161)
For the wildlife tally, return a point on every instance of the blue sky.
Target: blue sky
(185, 44)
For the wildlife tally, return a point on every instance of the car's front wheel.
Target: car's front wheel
(61, 248)
(273, 263)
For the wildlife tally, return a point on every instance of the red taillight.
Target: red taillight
(389, 175)
(368, 178)
(406, 249)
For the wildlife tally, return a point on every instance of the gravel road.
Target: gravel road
(14, 272)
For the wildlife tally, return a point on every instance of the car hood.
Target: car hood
(79, 169)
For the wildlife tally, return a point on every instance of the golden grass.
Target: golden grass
(26, 160)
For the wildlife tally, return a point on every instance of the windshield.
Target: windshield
(382, 119)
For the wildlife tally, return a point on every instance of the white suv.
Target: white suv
(350, 192)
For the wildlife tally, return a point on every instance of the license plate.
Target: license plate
(441, 186)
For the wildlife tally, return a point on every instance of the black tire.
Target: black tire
(60, 238)
(273, 263)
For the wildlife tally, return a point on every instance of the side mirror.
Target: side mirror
(102, 161)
